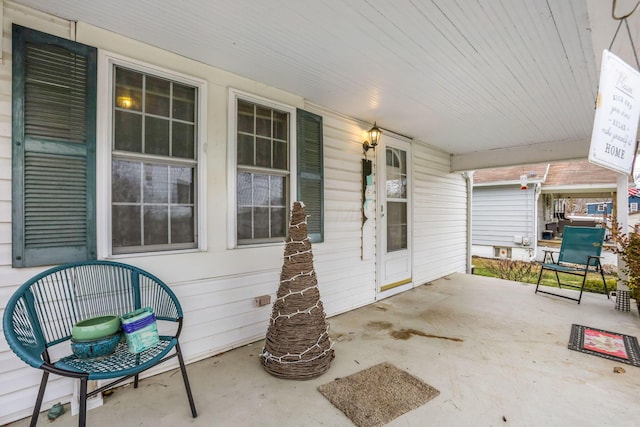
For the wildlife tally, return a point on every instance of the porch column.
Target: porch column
(622, 203)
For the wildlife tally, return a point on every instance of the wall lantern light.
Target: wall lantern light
(523, 182)
(374, 137)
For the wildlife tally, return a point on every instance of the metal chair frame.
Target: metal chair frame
(579, 255)
(42, 312)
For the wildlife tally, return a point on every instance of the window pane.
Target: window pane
(184, 103)
(245, 149)
(245, 226)
(182, 222)
(244, 195)
(183, 140)
(128, 89)
(277, 191)
(263, 152)
(280, 125)
(126, 226)
(156, 225)
(261, 223)
(280, 155)
(260, 190)
(126, 182)
(156, 183)
(157, 96)
(278, 222)
(128, 131)
(156, 136)
(182, 185)
(263, 121)
(245, 117)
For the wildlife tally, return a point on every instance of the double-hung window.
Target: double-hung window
(263, 143)
(277, 154)
(154, 164)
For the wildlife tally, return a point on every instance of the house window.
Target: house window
(633, 207)
(263, 141)
(154, 162)
(53, 149)
(276, 154)
(602, 208)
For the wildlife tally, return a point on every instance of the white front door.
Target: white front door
(394, 213)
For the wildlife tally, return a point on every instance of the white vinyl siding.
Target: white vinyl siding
(439, 216)
(500, 213)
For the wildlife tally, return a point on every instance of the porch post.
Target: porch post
(622, 203)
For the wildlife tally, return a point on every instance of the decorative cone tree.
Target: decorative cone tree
(297, 344)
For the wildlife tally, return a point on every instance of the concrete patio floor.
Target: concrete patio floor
(512, 367)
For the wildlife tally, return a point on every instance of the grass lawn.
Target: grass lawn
(521, 271)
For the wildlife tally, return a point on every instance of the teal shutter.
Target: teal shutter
(53, 149)
(310, 172)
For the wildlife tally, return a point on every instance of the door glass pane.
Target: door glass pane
(396, 226)
(396, 173)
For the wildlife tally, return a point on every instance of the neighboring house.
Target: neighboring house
(504, 213)
(188, 171)
(508, 222)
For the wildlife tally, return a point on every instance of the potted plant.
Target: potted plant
(628, 247)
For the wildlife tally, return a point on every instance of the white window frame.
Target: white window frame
(106, 62)
(232, 169)
(633, 207)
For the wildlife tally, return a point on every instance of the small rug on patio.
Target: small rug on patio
(610, 345)
(377, 395)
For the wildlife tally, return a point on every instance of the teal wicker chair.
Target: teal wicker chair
(579, 255)
(42, 312)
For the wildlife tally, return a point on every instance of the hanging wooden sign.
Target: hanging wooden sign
(615, 126)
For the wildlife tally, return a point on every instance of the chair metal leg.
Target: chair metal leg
(194, 413)
(82, 411)
(539, 278)
(38, 405)
(604, 282)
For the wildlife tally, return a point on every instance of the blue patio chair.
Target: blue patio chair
(579, 255)
(41, 313)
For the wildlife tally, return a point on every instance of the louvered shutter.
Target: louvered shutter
(310, 172)
(54, 104)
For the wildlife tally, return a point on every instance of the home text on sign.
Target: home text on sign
(615, 126)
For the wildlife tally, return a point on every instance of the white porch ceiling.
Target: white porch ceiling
(493, 82)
